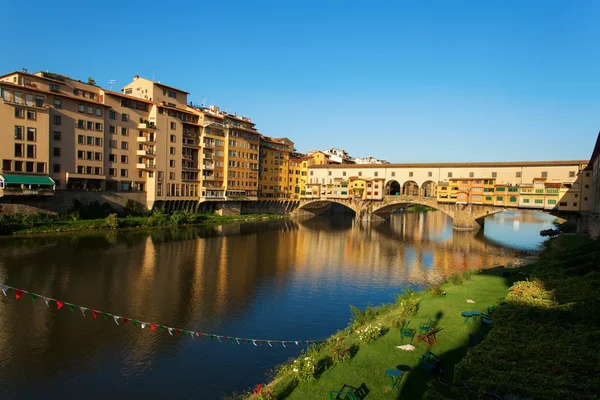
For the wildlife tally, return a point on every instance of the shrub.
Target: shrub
(112, 221)
(304, 368)
(436, 291)
(340, 352)
(408, 303)
(370, 333)
(468, 274)
(456, 280)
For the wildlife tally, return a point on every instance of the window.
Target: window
(56, 151)
(329, 173)
(18, 166)
(31, 115)
(171, 175)
(551, 201)
(587, 174)
(80, 139)
(31, 134)
(39, 101)
(563, 203)
(112, 129)
(376, 173)
(172, 163)
(173, 126)
(124, 132)
(172, 138)
(29, 166)
(112, 144)
(571, 174)
(513, 199)
(90, 125)
(18, 98)
(40, 168)
(449, 174)
(80, 124)
(18, 150)
(525, 201)
(98, 112)
(172, 94)
(80, 108)
(500, 189)
(471, 174)
(587, 186)
(311, 172)
(124, 172)
(517, 174)
(128, 91)
(544, 174)
(56, 135)
(539, 201)
(31, 151)
(393, 173)
(55, 167)
(173, 151)
(98, 126)
(97, 170)
(89, 155)
(7, 165)
(19, 113)
(124, 159)
(112, 171)
(112, 114)
(488, 198)
(57, 103)
(112, 157)
(89, 140)
(18, 132)
(98, 156)
(494, 174)
(499, 198)
(124, 145)
(54, 88)
(76, 92)
(124, 117)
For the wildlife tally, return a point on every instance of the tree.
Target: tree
(91, 81)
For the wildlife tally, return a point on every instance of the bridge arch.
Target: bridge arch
(410, 188)
(428, 189)
(328, 206)
(393, 188)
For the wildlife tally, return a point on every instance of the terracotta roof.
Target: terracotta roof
(458, 164)
(61, 94)
(128, 96)
(170, 87)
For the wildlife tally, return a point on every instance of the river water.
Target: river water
(285, 280)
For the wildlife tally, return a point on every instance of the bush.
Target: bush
(436, 291)
(304, 368)
(340, 352)
(112, 221)
(468, 274)
(456, 280)
(370, 333)
(408, 303)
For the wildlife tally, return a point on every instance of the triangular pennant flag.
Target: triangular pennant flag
(253, 342)
(270, 345)
(199, 334)
(296, 343)
(47, 301)
(184, 332)
(116, 318)
(94, 313)
(71, 307)
(4, 289)
(177, 332)
(135, 323)
(125, 320)
(162, 328)
(244, 340)
(237, 340)
(283, 344)
(219, 339)
(143, 325)
(212, 337)
(59, 304)
(152, 327)
(170, 331)
(83, 310)
(225, 337)
(192, 334)
(105, 315)
(33, 297)
(341, 339)
(18, 293)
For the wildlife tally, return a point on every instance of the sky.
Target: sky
(404, 81)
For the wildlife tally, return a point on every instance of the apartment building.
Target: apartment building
(298, 171)
(274, 168)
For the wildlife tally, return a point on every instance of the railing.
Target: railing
(27, 192)
(209, 145)
(146, 125)
(207, 156)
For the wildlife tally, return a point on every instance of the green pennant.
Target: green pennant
(71, 306)
(33, 297)
(184, 333)
(162, 328)
(212, 337)
(105, 315)
(135, 323)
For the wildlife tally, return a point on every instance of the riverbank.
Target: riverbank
(529, 316)
(37, 224)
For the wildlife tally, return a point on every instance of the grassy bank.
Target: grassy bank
(20, 224)
(543, 341)
(417, 208)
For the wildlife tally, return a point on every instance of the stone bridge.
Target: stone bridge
(464, 216)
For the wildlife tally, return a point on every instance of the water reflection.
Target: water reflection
(286, 279)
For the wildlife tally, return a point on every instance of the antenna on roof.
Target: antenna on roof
(203, 101)
(111, 83)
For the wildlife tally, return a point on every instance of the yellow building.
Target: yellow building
(298, 175)
(274, 179)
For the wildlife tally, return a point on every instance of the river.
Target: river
(285, 280)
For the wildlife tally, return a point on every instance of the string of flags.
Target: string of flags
(154, 327)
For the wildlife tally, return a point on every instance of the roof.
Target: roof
(61, 94)
(595, 153)
(128, 96)
(170, 87)
(459, 164)
(27, 180)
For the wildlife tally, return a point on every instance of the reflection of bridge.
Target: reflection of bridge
(464, 216)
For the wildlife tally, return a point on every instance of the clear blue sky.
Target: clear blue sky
(406, 81)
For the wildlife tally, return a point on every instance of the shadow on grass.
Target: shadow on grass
(359, 392)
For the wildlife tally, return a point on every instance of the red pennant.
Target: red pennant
(59, 304)
(200, 335)
(225, 337)
(94, 313)
(341, 339)
(244, 340)
(18, 293)
(177, 332)
(152, 327)
(125, 320)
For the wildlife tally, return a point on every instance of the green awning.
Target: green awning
(27, 180)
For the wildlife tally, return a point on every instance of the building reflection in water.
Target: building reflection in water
(280, 279)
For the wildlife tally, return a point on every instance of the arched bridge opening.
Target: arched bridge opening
(326, 207)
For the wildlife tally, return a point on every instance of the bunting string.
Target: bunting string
(176, 332)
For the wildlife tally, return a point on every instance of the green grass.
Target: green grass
(369, 364)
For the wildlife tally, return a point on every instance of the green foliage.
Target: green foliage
(468, 274)
(340, 353)
(112, 221)
(408, 303)
(436, 290)
(417, 208)
(456, 279)
(304, 367)
(370, 333)
(91, 81)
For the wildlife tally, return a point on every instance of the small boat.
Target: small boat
(549, 232)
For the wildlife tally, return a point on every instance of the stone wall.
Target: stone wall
(63, 200)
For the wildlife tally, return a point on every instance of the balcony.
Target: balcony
(213, 123)
(26, 192)
(209, 145)
(209, 167)
(150, 166)
(146, 153)
(146, 126)
(192, 166)
(207, 156)
(208, 177)
(190, 143)
(144, 139)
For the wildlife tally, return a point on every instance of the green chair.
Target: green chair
(348, 394)
(491, 309)
(486, 319)
(426, 327)
(407, 333)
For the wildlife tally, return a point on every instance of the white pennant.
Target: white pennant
(270, 344)
(83, 310)
(170, 331)
(219, 339)
(143, 325)
(283, 344)
(47, 301)
(237, 340)
(296, 343)
(254, 343)
(116, 318)
(192, 334)
(4, 289)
